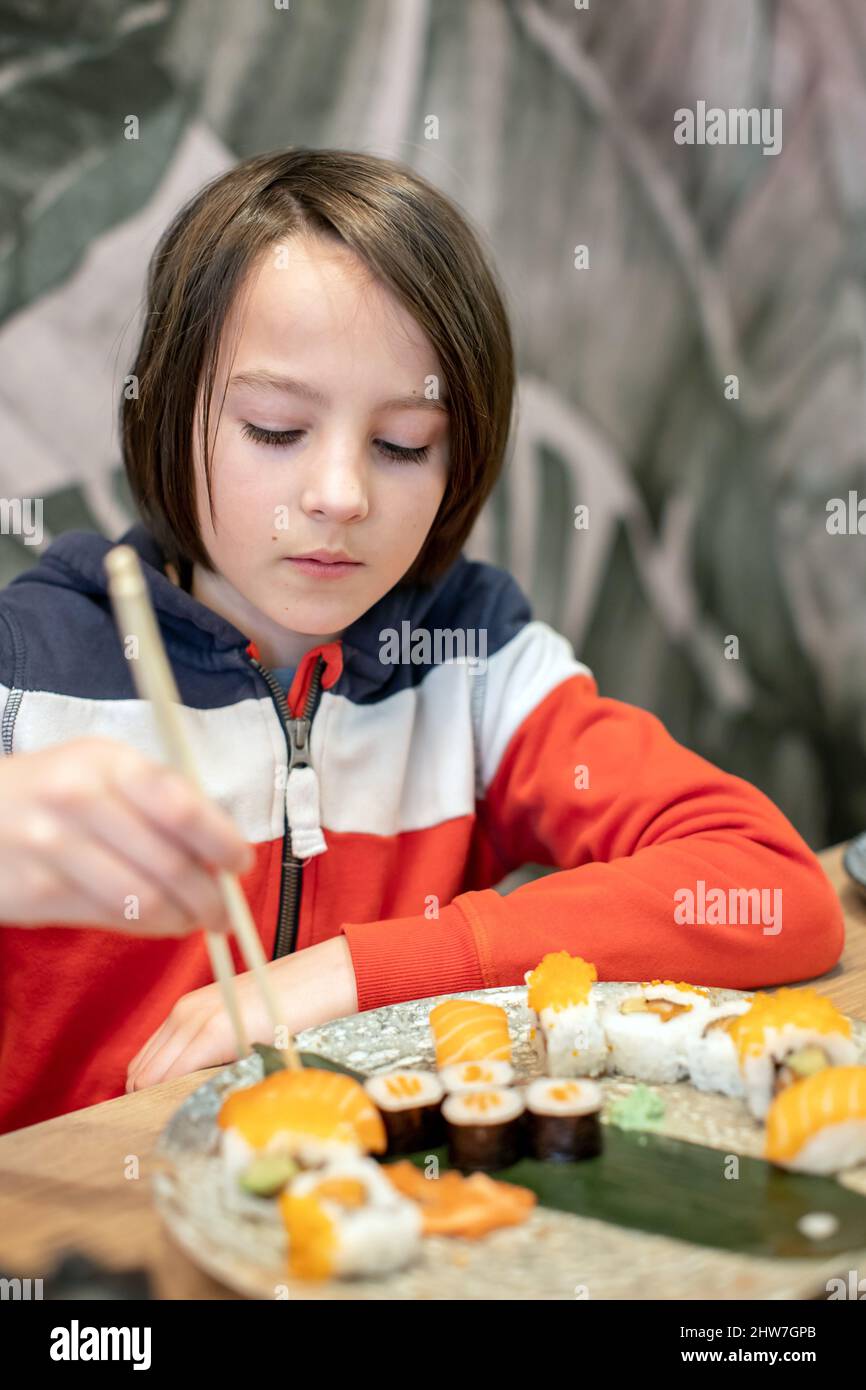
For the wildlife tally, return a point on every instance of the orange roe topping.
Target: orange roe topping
(677, 984)
(402, 1085)
(483, 1100)
(799, 1008)
(472, 1072)
(560, 980)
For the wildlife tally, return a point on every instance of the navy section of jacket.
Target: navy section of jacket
(60, 635)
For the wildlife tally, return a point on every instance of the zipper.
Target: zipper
(297, 731)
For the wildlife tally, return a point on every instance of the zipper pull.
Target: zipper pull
(302, 794)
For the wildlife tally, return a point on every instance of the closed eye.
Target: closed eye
(280, 439)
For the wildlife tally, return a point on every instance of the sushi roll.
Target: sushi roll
(647, 1030)
(568, 1016)
(476, 1076)
(307, 1115)
(466, 1031)
(786, 1036)
(409, 1103)
(818, 1125)
(536, 1037)
(346, 1219)
(563, 1117)
(711, 1057)
(484, 1128)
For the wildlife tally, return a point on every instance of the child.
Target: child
(326, 372)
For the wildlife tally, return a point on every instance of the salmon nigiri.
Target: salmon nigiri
(818, 1125)
(466, 1031)
(305, 1112)
(785, 1035)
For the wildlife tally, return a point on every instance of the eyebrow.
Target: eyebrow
(293, 387)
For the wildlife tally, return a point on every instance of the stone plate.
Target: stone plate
(554, 1255)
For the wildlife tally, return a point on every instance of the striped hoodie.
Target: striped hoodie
(432, 778)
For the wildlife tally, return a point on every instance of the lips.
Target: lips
(323, 564)
(327, 557)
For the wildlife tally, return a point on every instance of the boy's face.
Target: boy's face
(291, 474)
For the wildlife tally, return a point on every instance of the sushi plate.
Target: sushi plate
(555, 1254)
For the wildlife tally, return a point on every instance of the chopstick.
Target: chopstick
(154, 681)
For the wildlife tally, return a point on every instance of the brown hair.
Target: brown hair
(415, 242)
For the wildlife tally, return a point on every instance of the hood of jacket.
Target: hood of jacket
(194, 635)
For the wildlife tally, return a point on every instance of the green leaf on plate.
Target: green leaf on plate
(668, 1187)
(272, 1060)
(311, 1059)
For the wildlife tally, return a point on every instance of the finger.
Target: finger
(177, 808)
(166, 1047)
(196, 1004)
(183, 879)
(125, 898)
(61, 910)
(147, 1048)
(211, 1047)
(160, 1065)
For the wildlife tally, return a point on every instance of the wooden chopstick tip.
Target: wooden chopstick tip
(124, 571)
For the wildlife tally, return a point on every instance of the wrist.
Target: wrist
(317, 984)
(338, 969)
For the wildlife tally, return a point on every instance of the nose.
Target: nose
(336, 483)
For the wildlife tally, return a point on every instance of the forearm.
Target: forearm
(317, 984)
(714, 908)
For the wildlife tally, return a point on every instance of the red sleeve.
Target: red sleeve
(668, 868)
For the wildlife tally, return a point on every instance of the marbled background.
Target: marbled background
(555, 128)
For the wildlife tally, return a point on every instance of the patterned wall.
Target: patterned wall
(695, 378)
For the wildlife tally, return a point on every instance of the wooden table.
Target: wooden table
(63, 1183)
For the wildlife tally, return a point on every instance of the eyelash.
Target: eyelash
(279, 438)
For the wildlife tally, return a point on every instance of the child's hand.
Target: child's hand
(94, 833)
(312, 987)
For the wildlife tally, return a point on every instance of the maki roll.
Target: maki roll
(785, 1036)
(711, 1057)
(466, 1031)
(818, 1125)
(484, 1128)
(409, 1103)
(346, 1219)
(306, 1115)
(476, 1076)
(568, 1017)
(564, 1119)
(647, 1031)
